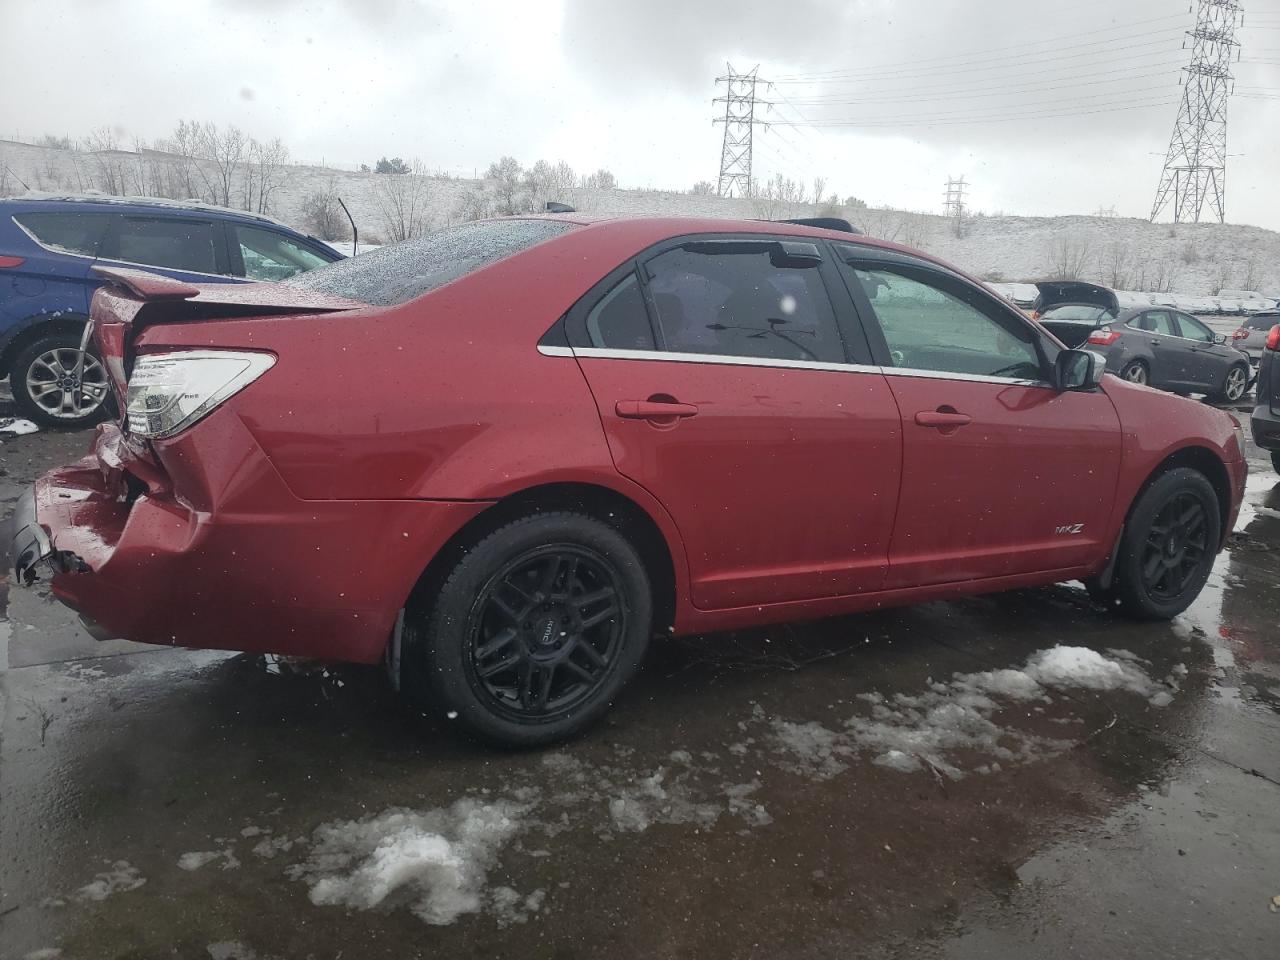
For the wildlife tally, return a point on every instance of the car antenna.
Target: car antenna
(355, 232)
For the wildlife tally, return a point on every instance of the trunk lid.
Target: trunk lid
(134, 299)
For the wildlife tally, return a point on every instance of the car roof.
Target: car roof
(650, 230)
(65, 202)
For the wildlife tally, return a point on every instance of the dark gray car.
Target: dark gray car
(1159, 346)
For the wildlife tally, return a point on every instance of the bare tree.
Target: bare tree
(703, 188)
(778, 197)
(819, 188)
(1251, 279)
(224, 151)
(322, 215)
(1069, 255)
(264, 171)
(474, 204)
(1225, 278)
(602, 179)
(1115, 263)
(545, 181)
(110, 175)
(402, 204)
(506, 174)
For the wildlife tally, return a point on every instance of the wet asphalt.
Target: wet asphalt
(1094, 824)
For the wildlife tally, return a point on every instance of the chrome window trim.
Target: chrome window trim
(609, 353)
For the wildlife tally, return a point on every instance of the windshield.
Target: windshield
(411, 268)
(1078, 311)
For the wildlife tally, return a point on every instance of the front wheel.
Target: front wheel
(1169, 543)
(54, 388)
(534, 632)
(1236, 383)
(1135, 371)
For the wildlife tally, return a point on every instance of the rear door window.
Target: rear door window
(79, 233)
(744, 299)
(268, 255)
(619, 319)
(190, 245)
(1158, 321)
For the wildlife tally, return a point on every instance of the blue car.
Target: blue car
(48, 247)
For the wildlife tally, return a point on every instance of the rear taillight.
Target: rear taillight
(1240, 334)
(1273, 338)
(168, 392)
(1104, 337)
(9, 262)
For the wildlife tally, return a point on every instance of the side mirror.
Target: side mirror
(1219, 338)
(1078, 370)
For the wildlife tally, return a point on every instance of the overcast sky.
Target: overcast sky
(1045, 107)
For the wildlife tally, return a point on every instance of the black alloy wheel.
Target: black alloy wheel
(1175, 547)
(530, 637)
(545, 632)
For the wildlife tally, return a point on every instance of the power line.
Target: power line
(953, 120)
(1195, 167)
(1024, 111)
(977, 65)
(1056, 43)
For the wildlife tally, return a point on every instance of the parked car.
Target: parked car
(559, 437)
(1250, 337)
(48, 247)
(1152, 345)
(1266, 412)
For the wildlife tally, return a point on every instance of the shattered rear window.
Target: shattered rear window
(398, 273)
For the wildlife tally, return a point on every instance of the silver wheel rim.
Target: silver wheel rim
(1136, 374)
(62, 392)
(1235, 384)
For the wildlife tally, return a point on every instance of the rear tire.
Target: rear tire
(45, 386)
(1135, 371)
(1234, 385)
(1169, 543)
(533, 633)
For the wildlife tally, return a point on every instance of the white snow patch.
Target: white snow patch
(509, 907)
(271, 846)
(121, 878)
(649, 800)
(16, 426)
(200, 858)
(44, 953)
(908, 732)
(1089, 670)
(436, 861)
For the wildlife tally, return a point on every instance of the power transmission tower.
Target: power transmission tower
(953, 199)
(1195, 168)
(739, 121)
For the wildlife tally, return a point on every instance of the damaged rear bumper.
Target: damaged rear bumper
(236, 561)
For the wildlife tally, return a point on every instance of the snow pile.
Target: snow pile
(1087, 669)
(436, 861)
(649, 800)
(121, 878)
(196, 860)
(509, 907)
(16, 426)
(958, 718)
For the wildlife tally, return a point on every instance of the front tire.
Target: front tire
(1169, 543)
(534, 632)
(1235, 385)
(1275, 460)
(49, 389)
(1135, 371)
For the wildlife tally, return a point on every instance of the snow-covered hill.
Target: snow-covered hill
(1191, 259)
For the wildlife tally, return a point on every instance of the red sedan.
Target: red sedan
(504, 456)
